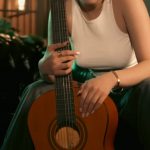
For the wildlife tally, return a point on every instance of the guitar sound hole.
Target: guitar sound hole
(67, 138)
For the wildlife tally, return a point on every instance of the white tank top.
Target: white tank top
(101, 43)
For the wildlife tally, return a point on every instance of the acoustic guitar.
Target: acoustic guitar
(54, 119)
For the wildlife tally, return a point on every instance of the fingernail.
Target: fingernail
(77, 53)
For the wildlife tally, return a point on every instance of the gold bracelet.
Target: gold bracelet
(117, 77)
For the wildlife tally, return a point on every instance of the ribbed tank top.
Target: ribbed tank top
(101, 43)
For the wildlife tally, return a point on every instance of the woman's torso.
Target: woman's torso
(102, 41)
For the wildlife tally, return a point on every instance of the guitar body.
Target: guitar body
(95, 132)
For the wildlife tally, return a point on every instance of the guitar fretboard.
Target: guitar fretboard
(64, 91)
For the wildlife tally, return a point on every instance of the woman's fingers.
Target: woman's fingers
(53, 47)
(63, 72)
(61, 61)
(92, 96)
(63, 68)
(67, 58)
(88, 102)
(98, 103)
(66, 65)
(82, 92)
(69, 53)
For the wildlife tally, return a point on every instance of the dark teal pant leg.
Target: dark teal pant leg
(134, 121)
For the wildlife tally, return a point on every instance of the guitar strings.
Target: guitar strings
(64, 97)
(61, 81)
(71, 96)
(64, 79)
(67, 80)
(67, 89)
(63, 87)
(55, 39)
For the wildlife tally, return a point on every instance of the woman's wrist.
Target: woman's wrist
(117, 85)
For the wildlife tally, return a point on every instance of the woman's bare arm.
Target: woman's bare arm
(138, 25)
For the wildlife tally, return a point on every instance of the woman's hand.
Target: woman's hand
(94, 91)
(60, 62)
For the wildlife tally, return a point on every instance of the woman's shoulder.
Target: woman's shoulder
(127, 3)
(125, 10)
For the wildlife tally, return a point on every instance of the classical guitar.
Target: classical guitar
(54, 120)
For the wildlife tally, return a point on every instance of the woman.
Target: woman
(107, 35)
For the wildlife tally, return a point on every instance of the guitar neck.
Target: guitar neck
(63, 84)
(59, 28)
